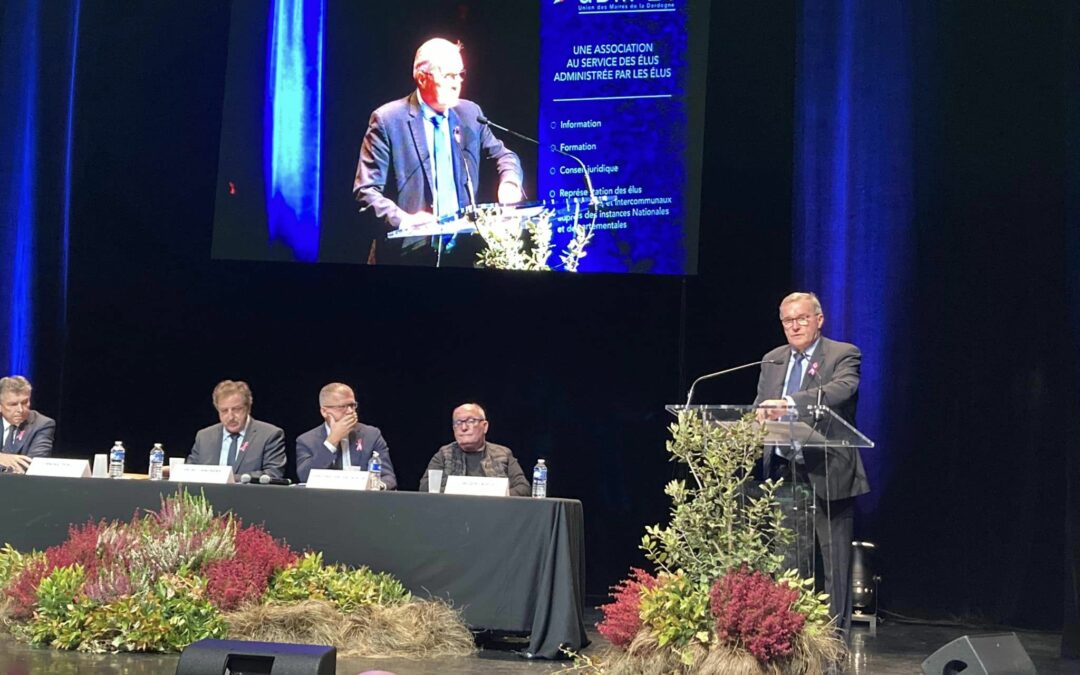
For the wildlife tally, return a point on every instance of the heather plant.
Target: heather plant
(622, 616)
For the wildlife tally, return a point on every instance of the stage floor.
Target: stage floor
(897, 648)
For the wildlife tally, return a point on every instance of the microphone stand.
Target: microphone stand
(594, 203)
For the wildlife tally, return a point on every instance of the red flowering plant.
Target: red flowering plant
(719, 587)
(622, 616)
(756, 612)
(243, 578)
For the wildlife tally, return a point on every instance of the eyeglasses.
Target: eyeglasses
(459, 75)
(803, 320)
(468, 422)
(343, 406)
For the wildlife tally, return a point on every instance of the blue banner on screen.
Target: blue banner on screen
(614, 77)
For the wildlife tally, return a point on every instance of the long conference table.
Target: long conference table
(508, 564)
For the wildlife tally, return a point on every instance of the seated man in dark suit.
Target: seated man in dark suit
(420, 158)
(341, 441)
(471, 454)
(27, 433)
(247, 445)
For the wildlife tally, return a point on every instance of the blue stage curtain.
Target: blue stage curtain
(853, 200)
(293, 124)
(37, 75)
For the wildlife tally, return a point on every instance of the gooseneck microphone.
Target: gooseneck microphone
(593, 201)
(709, 376)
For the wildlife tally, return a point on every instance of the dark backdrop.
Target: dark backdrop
(577, 369)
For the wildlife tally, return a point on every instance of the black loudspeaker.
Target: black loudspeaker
(993, 654)
(234, 657)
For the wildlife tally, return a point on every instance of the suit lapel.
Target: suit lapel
(419, 136)
(817, 363)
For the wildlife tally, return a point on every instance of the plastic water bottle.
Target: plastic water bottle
(116, 460)
(375, 472)
(157, 461)
(539, 485)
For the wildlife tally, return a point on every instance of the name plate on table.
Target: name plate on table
(61, 468)
(333, 479)
(202, 473)
(477, 486)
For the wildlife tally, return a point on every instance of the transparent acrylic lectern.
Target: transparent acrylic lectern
(788, 431)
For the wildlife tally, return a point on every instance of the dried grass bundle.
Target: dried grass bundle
(813, 654)
(421, 629)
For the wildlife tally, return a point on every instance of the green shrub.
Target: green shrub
(676, 611)
(309, 579)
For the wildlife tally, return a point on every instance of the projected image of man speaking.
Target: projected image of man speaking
(420, 161)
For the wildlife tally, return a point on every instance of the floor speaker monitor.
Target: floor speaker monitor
(994, 654)
(234, 657)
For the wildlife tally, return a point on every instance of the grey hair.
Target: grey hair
(431, 51)
(15, 384)
(483, 413)
(333, 388)
(799, 296)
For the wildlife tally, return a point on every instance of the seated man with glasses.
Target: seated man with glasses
(341, 441)
(472, 455)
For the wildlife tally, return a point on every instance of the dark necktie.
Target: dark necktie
(9, 442)
(794, 380)
(233, 440)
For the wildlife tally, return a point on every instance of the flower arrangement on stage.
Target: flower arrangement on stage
(719, 601)
(509, 246)
(168, 578)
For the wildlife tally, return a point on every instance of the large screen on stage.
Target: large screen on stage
(599, 102)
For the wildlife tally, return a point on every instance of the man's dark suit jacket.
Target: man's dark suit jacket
(394, 175)
(34, 437)
(311, 453)
(263, 449)
(835, 366)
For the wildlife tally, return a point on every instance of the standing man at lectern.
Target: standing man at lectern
(819, 369)
(420, 157)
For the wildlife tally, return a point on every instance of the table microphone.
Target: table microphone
(265, 479)
(690, 394)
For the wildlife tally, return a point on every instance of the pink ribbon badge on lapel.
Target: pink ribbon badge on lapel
(359, 445)
(20, 435)
(243, 446)
(813, 369)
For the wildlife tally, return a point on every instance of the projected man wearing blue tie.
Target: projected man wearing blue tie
(421, 152)
(247, 445)
(817, 366)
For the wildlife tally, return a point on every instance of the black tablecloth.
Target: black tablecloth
(509, 564)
